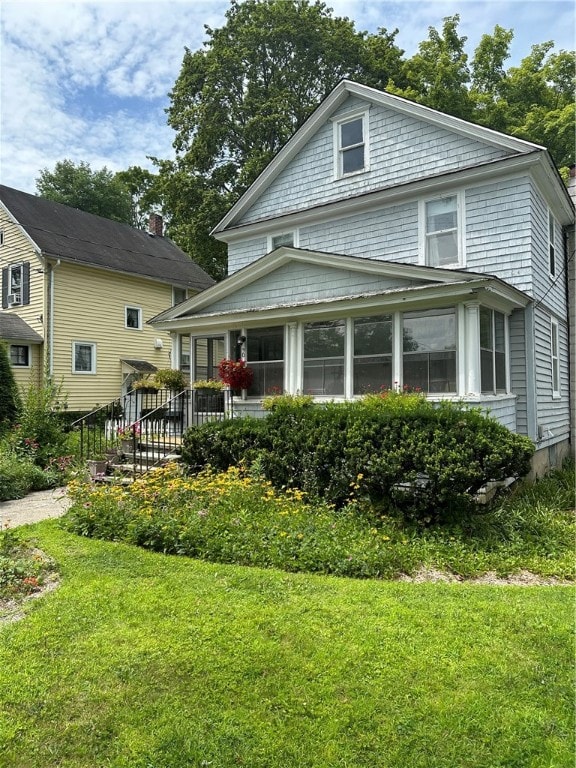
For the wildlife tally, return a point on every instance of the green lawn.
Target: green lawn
(141, 660)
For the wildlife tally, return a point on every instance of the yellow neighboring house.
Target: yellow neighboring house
(77, 292)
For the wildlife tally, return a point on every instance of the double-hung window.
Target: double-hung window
(15, 283)
(351, 145)
(20, 355)
(551, 245)
(134, 318)
(555, 358)
(178, 295)
(83, 357)
(492, 352)
(324, 357)
(372, 354)
(429, 350)
(286, 238)
(441, 232)
(265, 353)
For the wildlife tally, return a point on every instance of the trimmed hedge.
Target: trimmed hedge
(399, 450)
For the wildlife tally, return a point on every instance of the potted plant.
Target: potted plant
(128, 435)
(207, 386)
(97, 466)
(235, 373)
(146, 385)
(208, 395)
(171, 378)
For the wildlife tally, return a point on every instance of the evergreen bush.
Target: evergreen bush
(398, 450)
(10, 402)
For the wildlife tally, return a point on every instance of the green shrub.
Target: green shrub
(398, 450)
(224, 444)
(40, 433)
(10, 402)
(20, 476)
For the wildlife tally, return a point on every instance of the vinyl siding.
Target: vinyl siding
(552, 414)
(89, 306)
(518, 371)
(550, 291)
(503, 409)
(24, 377)
(18, 248)
(402, 149)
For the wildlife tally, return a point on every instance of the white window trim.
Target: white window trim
(295, 235)
(552, 245)
(174, 289)
(337, 149)
(20, 292)
(17, 365)
(139, 310)
(1, 237)
(555, 359)
(92, 371)
(460, 221)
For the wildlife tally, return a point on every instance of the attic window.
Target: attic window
(351, 145)
(285, 238)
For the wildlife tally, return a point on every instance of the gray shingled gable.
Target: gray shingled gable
(12, 327)
(76, 236)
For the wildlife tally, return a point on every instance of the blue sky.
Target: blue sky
(89, 81)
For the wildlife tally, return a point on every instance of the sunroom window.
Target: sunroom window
(429, 351)
(372, 354)
(442, 232)
(324, 357)
(492, 351)
(265, 353)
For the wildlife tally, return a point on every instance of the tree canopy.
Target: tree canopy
(99, 192)
(240, 97)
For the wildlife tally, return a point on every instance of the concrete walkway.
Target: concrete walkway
(37, 506)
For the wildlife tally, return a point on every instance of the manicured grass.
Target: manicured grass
(143, 660)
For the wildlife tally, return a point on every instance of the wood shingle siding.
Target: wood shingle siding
(402, 149)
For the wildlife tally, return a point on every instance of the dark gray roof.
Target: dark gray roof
(73, 235)
(142, 366)
(12, 327)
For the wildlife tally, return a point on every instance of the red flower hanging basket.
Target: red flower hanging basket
(235, 373)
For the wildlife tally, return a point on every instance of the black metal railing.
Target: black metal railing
(142, 430)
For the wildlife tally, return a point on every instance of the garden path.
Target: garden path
(40, 505)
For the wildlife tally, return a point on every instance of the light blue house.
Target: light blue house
(388, 245)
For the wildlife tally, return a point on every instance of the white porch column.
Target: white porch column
(471, 357)
(291, 375)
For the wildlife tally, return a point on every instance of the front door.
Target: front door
(207, 351)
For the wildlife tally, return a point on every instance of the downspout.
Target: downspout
(51, 268)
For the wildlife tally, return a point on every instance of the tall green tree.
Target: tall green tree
(540, 98)
(144, 193)
(77, 185)
(10, 401)
(438, 74)
(238, 100)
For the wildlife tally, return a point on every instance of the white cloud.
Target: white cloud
(88, 81)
